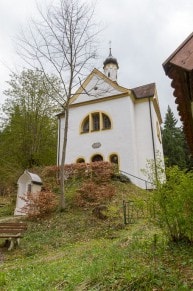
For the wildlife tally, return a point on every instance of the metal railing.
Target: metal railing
(145, 181)
(134, 210)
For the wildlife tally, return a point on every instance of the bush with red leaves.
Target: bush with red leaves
(102, 171)
(92, 194)
(39, 204)
(95, 177)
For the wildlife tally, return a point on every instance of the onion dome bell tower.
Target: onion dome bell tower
(110, 67)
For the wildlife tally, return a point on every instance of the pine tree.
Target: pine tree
(173, 142)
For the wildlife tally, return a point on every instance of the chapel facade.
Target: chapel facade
(108, 122)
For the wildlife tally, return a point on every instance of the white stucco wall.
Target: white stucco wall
(144, 136)
(147, 138)
(120, 139)
(110, 71)
(95, 89)
(130, 136)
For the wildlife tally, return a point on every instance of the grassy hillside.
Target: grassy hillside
(75, 250)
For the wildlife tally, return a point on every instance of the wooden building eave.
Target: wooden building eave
(179, 68)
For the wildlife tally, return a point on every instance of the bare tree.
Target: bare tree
(63, 41)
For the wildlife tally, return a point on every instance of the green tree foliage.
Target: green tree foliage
(174, 144)
(29, 129)
(9, 168)
(173, 202)
(155, 172)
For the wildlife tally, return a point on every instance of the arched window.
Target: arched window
(106, 121)
(114, 159)
(80, 160)
(85, 125)
(97, 158)
(95, 121)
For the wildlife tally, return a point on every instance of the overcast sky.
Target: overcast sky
(143, 34)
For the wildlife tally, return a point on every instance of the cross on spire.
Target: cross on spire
(110, 54)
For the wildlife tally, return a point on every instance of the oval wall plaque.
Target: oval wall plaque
(96, 145)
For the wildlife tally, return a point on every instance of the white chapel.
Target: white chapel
(108, 122)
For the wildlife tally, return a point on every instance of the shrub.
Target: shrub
(174, 201)
(120, 177)
(102, 171)
(92, 194)
(94, 179)
(39, 204)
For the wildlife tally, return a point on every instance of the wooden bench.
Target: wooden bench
(12, 232)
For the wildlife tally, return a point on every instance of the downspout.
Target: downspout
(153, 142)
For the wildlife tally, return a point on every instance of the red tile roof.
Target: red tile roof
(144, 91)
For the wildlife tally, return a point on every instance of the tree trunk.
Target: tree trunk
(62, 204)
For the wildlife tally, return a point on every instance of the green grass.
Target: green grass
(74, 250)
